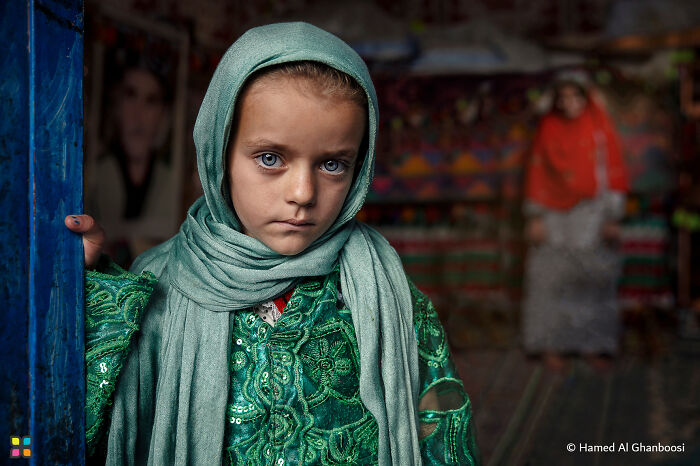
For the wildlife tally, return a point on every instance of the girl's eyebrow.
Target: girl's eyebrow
(264, 144)
(343, 153)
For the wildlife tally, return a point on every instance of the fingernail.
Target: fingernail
(77, 222)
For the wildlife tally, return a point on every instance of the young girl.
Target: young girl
(281, 330)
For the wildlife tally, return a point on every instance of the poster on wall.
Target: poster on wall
(135, 120)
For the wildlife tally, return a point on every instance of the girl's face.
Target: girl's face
(291, 161)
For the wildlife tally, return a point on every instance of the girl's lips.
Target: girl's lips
(294, 224)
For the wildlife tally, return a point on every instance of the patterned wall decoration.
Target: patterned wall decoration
(448, 184)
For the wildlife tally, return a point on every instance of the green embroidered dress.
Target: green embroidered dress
(294, 391)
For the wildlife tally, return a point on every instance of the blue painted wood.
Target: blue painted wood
(56, 335)
(14, 252)
(44, 143)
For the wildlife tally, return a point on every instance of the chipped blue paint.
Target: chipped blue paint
(42, 145)
(14, 252)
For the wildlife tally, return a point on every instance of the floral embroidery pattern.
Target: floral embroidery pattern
(324, 361)
(294, 390)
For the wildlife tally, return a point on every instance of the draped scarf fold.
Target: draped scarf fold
(170, 404)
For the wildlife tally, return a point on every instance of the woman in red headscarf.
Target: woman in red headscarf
(575, 195)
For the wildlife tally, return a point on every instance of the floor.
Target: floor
(527, 414)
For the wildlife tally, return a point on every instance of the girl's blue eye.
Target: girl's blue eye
(332, 166)
(269, 160)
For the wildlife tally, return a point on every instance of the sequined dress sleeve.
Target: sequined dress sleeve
(447, 432)
(114, 301)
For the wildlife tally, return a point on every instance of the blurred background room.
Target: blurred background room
(463, 86)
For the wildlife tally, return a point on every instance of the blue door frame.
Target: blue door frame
(42, 380)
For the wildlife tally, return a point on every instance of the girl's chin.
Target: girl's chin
(288, 242)
(288, 246)
(289, 251)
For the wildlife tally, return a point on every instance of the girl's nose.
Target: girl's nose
(301, 187)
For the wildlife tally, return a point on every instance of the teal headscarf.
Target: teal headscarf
(170, 404)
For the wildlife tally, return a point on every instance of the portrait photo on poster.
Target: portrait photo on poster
(135, 86)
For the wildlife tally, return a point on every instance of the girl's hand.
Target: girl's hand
(536, 231)
(93, 236)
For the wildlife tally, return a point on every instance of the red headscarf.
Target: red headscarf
(562, 166)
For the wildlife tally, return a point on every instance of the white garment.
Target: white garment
(106, 198)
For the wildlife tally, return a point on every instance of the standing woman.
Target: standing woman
(575, 197)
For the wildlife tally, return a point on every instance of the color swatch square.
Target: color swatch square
(20, 447)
